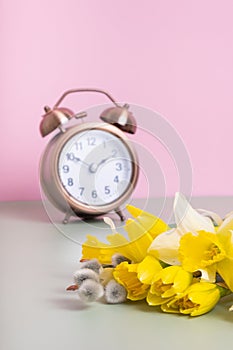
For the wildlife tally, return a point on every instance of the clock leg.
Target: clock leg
(120, 214)
(67, 217)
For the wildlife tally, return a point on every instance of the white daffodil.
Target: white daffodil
(165, 246)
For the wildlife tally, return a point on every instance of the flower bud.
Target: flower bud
(115, 293)
(92, 264)
(83, 274)
(90, 290)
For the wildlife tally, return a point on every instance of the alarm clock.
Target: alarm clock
(88, 169)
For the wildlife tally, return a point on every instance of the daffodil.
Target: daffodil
(126, 274)
(148, 269)
(202, 251)
(166, 245)
(225, 236)
(135, 249)
(209, 252)
(137, 278)
(167, 283)
(198, 299)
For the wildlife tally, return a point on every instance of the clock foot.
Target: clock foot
(67, 218)
(120, 214)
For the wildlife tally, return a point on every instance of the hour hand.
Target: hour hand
(94, 166)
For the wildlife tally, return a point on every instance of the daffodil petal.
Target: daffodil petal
(154, 300)
(225, 269)
(93, 248)
(126, 275)
(117, 239)
(165, 247)
(212, 215)
(135, 250)
(200, 251)
(150, 222)
(208, 274)
(169, 273)
(188, 219)
(227, 224)
(104, 254)
(207, 299)
(147, 269)
(198, 299)
(134, 211)
(182, 280)
(134, 229)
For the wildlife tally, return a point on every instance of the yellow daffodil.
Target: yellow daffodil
(198, 299)
(127, 275)
(200, 251)
(135, 248)
(148, 268)
(167, 283)
(225, 236)
(165, 246)
(149, 222)
(209, 252)
(185, 269)
(136, 278)
(93, 248)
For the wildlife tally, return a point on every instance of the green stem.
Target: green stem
(223, 291)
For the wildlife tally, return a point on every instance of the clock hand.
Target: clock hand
(94, 166)
(76, 159)
(114, 152)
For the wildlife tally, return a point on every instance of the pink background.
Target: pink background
(175, 57)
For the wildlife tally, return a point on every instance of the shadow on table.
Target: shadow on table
(71, 302)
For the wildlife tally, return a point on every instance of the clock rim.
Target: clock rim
(68, 200)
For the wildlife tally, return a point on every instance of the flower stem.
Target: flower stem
(223, 290)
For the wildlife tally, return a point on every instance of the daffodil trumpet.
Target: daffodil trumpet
(184, 268)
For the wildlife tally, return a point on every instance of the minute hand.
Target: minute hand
(94, 167)
(76, 159)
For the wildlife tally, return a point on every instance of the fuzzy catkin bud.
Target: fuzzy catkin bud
(90, 291)
(92, 264)
(83, 274)
(115, 293)
(118, 258)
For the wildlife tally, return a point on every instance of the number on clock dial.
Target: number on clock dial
(95, 167)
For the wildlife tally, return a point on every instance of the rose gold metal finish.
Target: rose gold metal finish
(120, 214)
(53, 187)
(54, 118)
(84, 90)
(118, 119)
(80, 115)
(121, 117)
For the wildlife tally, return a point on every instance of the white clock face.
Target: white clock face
(95, 167)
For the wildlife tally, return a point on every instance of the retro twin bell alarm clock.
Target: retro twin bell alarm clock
(88, 169)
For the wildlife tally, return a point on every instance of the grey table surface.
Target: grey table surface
(37, 261)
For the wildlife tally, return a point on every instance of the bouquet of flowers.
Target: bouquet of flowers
(185, 269)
